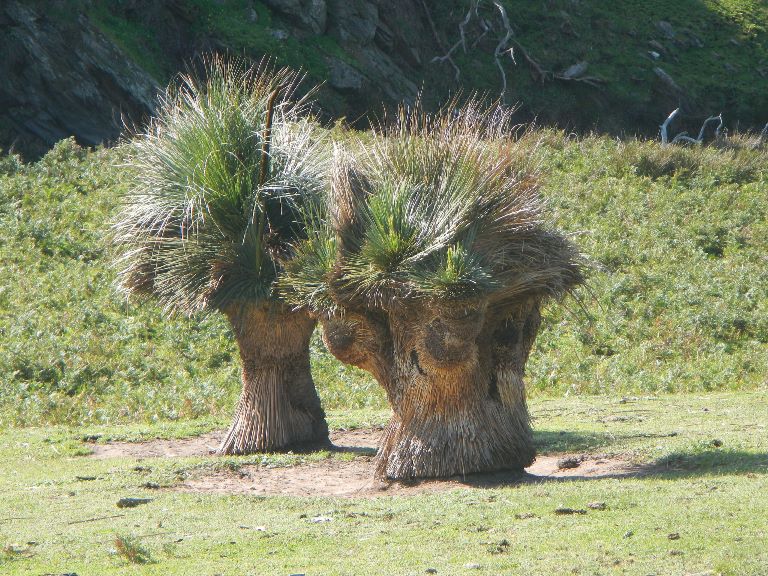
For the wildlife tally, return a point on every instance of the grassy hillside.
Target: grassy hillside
(678, 300)
(716, 51)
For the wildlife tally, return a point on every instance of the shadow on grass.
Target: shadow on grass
(678, 465)
(555, 441)
(356, 450)
(708, 463)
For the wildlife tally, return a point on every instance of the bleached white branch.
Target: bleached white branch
(707, 121)
(665, 126)
(502, 47)
(464, 23)
(506, 45)
(683, 136)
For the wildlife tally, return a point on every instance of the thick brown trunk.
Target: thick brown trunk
(279, 406)
(454, 376)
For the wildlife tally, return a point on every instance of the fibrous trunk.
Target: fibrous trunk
(278, 406)
(453, 372)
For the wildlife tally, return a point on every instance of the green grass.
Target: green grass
(713, 497)
(678, 301)
(718, 56)
(134, 38)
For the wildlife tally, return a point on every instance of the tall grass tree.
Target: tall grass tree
(218, 179)
(430, 274)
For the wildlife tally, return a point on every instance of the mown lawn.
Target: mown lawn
(705, 479)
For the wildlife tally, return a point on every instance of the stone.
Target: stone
(343, 76)
(667, 80)
(311, 14)
(569, 462)
(132, 502)
(353, 22)
(563, 511)
(575, 70)
(666, 29)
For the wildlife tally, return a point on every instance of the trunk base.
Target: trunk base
(279, 407)
(485, 437)
(268, 420)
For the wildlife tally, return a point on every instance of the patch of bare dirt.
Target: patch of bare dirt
(202, 445)
(362, 440)
(353, 478)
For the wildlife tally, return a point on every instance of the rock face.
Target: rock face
(379, 61)
(384, 52)
(354, 22)
(62, 77)
(62, 81)
(311, 14)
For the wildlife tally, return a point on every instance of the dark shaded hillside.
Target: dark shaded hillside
(75, 66)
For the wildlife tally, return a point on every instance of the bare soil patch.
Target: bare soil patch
(202, 445)
(343, 477)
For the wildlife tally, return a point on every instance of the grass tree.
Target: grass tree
(218, 179)
(430, 275)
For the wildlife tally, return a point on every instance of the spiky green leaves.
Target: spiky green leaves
(220, 180)
(441, 206)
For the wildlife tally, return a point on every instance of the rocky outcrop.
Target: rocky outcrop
(381, 61)
(60, 76)
(59, 81)
(63, 77)
(310, 14)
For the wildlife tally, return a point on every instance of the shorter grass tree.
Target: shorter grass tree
(431, 274)
(218, 180)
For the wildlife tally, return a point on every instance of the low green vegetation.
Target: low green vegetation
(716, 51)
(697, 507)
(677, 300)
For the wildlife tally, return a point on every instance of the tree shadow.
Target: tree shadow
(714, 462)
(356, 450)
(561, 441)
(678, 465)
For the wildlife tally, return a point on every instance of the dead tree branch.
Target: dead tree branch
(707, 121)
(683, 136)
(502, 47)
(665, 126)
(507, 44)
(447, 57)
(538, 73)
(473, 5)
(762, 136)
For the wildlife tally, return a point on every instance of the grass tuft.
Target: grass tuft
(130, 549)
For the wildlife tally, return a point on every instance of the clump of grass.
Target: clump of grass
(130, 549)
(10, 163)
